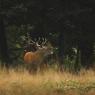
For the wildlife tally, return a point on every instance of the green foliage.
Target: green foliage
(15, 42)
(71, 65)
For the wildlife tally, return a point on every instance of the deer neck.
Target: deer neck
(41, 52)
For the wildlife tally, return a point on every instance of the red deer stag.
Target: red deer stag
(35, 60)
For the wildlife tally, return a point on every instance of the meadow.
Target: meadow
(49, 82)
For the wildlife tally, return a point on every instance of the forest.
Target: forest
(66, 26)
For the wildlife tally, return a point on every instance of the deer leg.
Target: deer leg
(32, 68)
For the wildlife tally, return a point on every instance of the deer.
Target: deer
(36, 60)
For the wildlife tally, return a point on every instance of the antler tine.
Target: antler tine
(39, 39)
(44, 41)
(32, 41)
(36, 42)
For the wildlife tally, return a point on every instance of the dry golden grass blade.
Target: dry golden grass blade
(49, 82)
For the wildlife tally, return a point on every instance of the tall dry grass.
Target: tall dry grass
(49, 82)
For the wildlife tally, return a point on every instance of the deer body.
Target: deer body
(35, 60)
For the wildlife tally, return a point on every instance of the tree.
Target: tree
(3, 42)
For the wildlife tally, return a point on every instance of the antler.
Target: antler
(39, 43)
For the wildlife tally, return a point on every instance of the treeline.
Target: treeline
(68, 26)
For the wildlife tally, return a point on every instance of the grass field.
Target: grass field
(50, 82)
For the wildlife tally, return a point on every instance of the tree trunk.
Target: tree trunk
(77, 65)
(3, 43)
(61, 49)
(86, 50)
